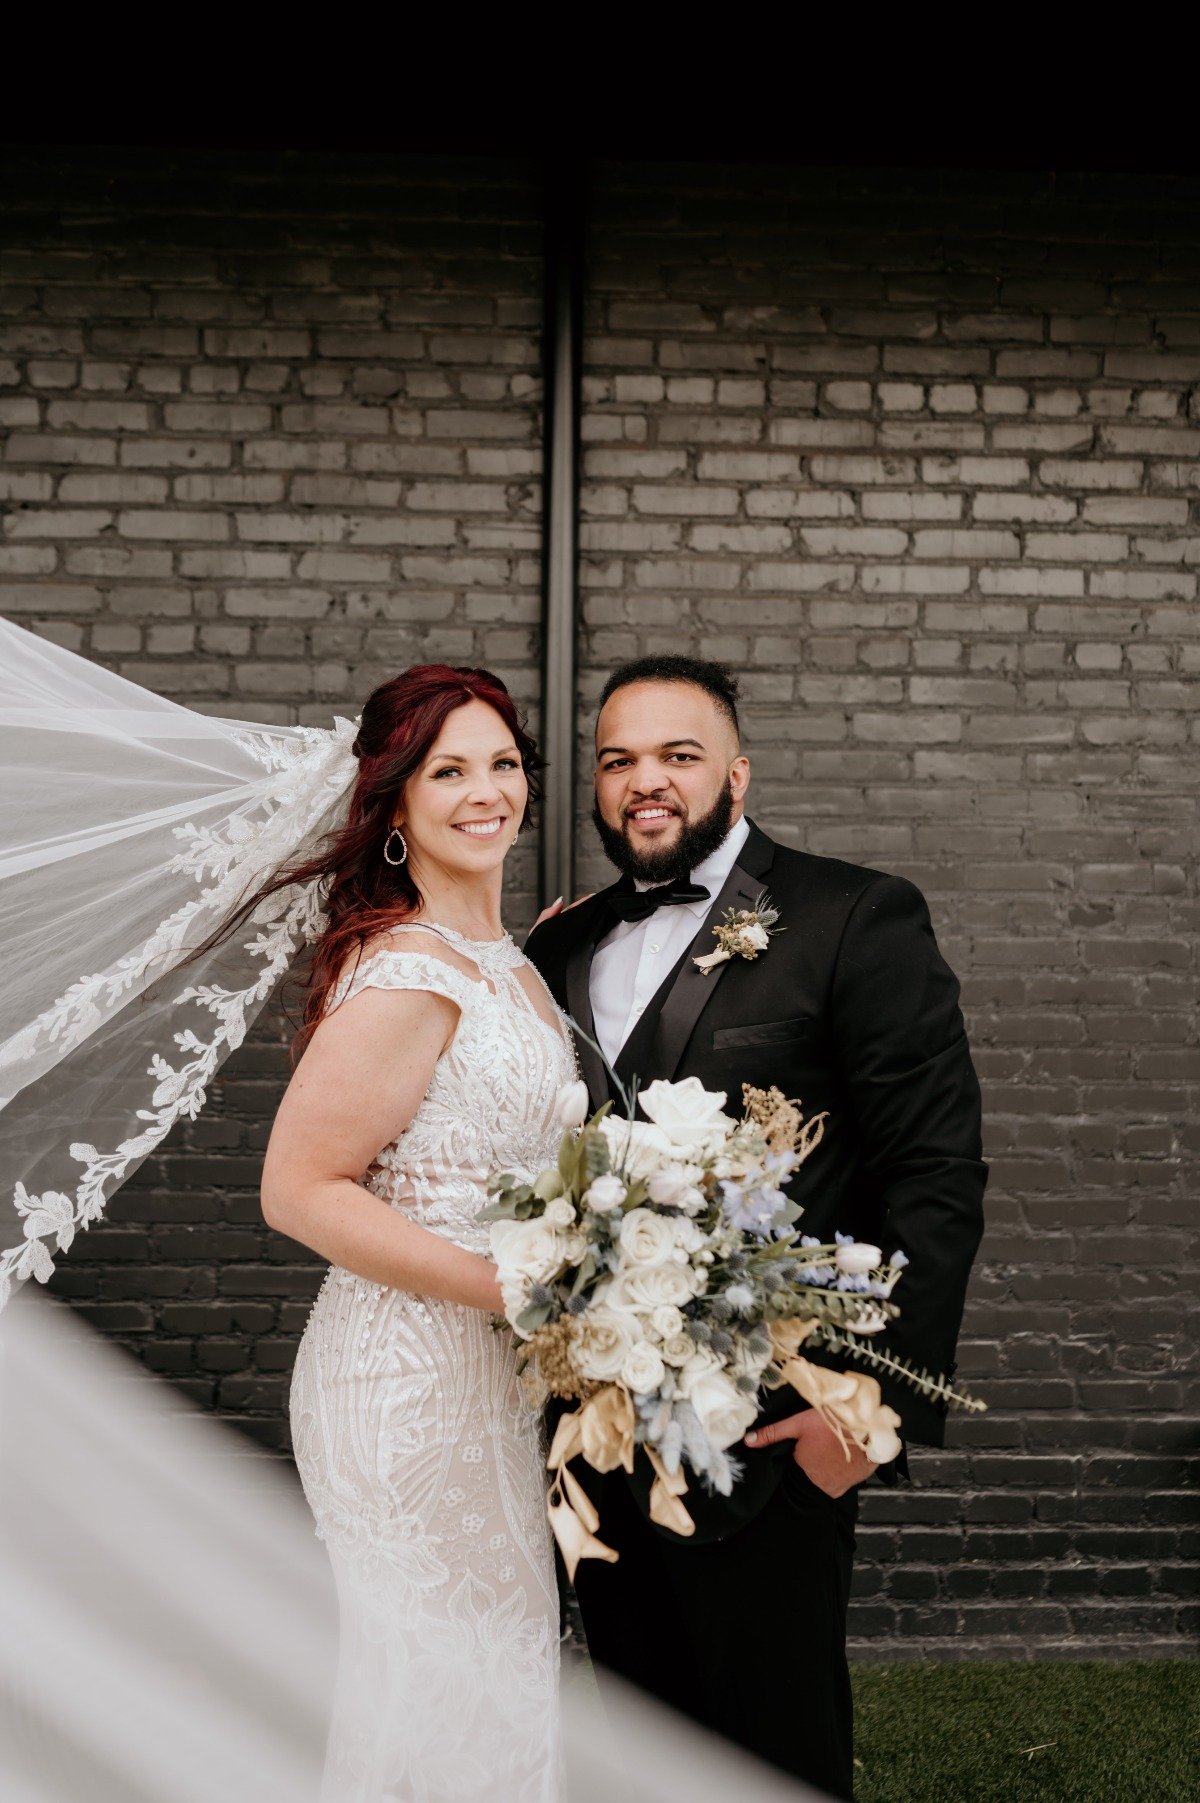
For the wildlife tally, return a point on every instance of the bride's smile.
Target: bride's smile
(462, 809)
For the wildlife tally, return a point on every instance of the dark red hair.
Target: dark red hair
(365, 895)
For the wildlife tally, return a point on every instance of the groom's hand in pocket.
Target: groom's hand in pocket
(817, 1451)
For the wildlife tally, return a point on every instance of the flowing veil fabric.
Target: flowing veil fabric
(130, 827)
(168, 1622)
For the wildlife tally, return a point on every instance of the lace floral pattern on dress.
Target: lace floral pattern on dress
(420, 1457)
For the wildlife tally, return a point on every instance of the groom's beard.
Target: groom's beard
(697, 840)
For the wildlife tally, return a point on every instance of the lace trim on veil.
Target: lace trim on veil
(308, 775)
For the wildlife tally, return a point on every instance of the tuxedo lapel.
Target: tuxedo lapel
(672, 1019)
(579, 1002)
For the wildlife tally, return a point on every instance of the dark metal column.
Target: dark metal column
(560, 525)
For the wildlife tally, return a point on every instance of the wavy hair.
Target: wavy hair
(363, 894)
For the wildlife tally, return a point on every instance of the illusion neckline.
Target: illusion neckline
(437, 926)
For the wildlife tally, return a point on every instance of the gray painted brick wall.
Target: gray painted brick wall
(917, 454)
(920, 457)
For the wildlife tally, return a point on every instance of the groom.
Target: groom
(852, 1009)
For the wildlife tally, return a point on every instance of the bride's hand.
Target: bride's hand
(556, 907)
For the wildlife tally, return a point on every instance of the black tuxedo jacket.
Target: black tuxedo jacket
(853, 1010)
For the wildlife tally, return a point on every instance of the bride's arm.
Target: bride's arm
(355, 1090)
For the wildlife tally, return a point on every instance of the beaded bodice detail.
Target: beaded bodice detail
(490, 1102)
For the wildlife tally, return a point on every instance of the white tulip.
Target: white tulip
(604, 1194)
(857, 1259)
(571, 1105)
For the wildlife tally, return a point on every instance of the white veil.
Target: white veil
(130, 827)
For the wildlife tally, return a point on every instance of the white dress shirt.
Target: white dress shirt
(631, 962)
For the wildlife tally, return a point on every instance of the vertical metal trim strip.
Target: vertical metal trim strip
(561, 349)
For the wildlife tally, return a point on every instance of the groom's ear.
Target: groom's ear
(739, 775)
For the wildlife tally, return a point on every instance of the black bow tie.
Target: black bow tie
(633, 904)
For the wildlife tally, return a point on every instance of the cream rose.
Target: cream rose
(689, 1115)
(643, 1369)
(666, 1320)
(671, 1185)
(724, 1412)
(647, 1238)
(603, 1341)
(678, 1348)
(648, 1287)
(559, 1213)
(755, 938)
(529, 1250)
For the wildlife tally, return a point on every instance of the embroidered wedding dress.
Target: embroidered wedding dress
(421, 1460)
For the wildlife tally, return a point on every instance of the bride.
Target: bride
(160, 870)
(432, 1056)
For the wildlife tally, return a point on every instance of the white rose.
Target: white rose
(689, 1115)
(571, 1105)
(647, 1287)
(672, 1182)
(858, 1259)
(678, 1349)
(604, 1194)
(691, 1201)
(687, 1236)
(702, 1359)
(646, 1238)
(724, 1412)
(635, 1147)
(602, 1342)
(666, 1321)
(755, 938)
(643, 1369)
(559, 1213)
(527, 1250)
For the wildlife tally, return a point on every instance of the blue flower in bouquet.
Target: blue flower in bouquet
(751, 1204)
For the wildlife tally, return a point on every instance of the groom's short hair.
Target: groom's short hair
(716, 681)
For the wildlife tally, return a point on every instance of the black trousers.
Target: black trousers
(746, 1634)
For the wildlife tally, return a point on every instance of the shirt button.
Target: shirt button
(653, 948)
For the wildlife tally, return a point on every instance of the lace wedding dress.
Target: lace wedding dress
(421, 1460)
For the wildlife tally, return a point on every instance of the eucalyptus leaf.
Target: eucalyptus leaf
(504, 1208)
(584, 1274)
(530, 1319)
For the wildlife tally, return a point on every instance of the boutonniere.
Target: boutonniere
(744, 933)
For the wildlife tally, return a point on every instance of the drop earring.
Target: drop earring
(387, 847)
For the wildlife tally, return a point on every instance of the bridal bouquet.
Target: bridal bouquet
(655, 1278)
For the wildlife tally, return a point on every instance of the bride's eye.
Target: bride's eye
(506, 763)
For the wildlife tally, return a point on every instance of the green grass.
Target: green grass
(1046, 1733)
